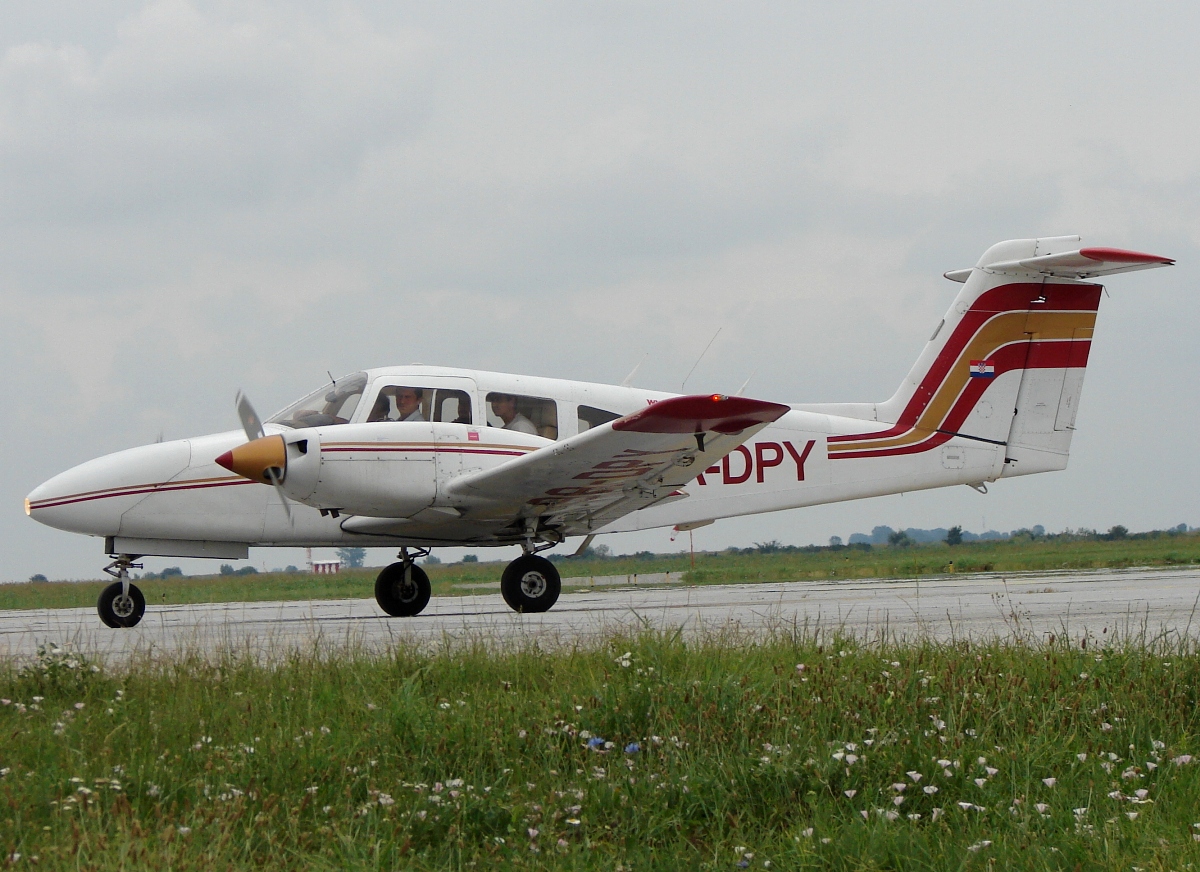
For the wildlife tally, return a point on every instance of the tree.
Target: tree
(38, 577)
(1117, 532)
(470, 558)
(954, 535)
(352, 558)
(899, 539)
(772, 547)
(429, 561)
(226, 569)
(835, 541)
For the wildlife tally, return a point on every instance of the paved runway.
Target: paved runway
(1100, 604)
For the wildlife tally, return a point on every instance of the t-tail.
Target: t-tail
(1005, 366)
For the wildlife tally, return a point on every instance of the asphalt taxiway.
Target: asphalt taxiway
(1099, 605)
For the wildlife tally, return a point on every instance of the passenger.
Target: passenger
(504, 407)
(408, 404)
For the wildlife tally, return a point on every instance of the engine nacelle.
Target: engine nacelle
(383, 470)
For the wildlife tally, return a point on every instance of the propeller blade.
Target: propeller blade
(253, 428)
(251, 423)
(287, 504)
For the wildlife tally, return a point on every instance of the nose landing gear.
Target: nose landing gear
(121, 604)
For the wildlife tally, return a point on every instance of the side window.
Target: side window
(590, 417)
(452, 407)
(532, 415)
(402, 403)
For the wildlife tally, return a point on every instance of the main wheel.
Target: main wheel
(402, 597)
(530, 584)
(116, 610)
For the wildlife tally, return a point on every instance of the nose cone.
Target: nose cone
(255, 459)
(90, 498)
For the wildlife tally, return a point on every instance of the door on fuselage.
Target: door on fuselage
(439, 400)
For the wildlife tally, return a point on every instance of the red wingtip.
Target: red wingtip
(695, 414)
(226, 460)
(1119, 255)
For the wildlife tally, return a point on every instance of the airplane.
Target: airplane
(417, 457)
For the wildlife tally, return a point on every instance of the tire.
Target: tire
(117, 611)
(530, 584)
(402, 599)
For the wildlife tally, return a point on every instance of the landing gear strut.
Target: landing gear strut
(121, 604)
(402, 589)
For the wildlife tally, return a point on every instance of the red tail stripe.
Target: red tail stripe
(1016, 297)
(1035, 355)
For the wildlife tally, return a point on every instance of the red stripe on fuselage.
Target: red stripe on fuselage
(136, 490)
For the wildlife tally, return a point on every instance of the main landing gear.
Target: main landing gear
(530, 584)
(402, 589)
(121, 604)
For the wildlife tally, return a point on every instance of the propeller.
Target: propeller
(252, 425)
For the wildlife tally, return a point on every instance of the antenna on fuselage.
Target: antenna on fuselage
(332, 380)
(745, 384)
(627, 382)
(700, 358)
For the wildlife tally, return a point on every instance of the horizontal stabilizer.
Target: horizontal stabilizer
(1083, 263)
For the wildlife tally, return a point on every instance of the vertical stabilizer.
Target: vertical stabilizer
(1005, 366)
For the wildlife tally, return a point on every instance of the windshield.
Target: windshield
(333, 404)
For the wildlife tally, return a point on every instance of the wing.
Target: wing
(582, 483)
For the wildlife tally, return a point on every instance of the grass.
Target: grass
(1020, 555)
(646, 752)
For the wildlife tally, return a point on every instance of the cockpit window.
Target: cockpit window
(333, 404)
(412, 403)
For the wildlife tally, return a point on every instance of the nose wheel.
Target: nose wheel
(530, 584)
(121, 604)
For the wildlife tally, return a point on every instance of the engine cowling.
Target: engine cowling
(378, 470)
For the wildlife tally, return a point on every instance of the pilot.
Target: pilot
(504, 407)
(408, 404)
(379, 412)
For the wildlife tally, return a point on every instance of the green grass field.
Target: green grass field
(652, 752)
(1020, 555)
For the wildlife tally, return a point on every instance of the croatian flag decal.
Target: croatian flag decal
(472, 435)
(982, 369)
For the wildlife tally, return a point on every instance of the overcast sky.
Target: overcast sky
(197, 197)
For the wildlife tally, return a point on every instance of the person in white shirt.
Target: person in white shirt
(408, 404)
(504, 407)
